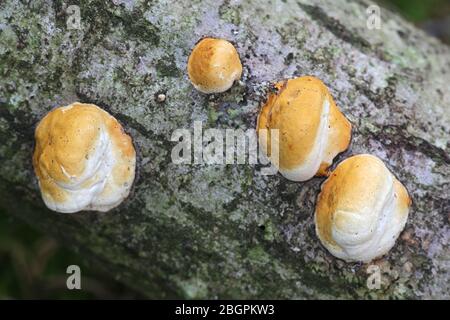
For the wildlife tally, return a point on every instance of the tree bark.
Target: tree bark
(202, 231)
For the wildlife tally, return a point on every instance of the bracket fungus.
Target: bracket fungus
(361, 209)
(312, 130)
(214, 65)
(83, 159)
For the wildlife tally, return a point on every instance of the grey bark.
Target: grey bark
(199, 231)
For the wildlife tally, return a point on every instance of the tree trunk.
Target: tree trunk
(204, 231)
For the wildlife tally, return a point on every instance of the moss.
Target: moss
(194, 289)
(336, 27)
(141, 29)
(166, 67)
(409, 58)
(258, 256)
(233, 113)
(230, 13)
(270, 233)
(212, 116)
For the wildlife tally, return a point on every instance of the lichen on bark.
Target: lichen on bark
(199, 231)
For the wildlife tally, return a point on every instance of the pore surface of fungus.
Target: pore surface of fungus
(361, 209)
(311, 128)
(83, 159)
(214, 65)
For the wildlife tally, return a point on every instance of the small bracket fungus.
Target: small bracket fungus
(214, 65)
(312, 130)
(361, 209)
(83, 159)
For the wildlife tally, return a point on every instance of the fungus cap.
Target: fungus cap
(312, 130)
(214, 65)
(361, 209)
(83, 159)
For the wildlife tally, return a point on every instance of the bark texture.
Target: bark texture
(202, 231)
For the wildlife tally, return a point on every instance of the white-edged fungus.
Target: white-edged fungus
(312, 130)
(214, 65)
(361, 209)
(83, 159)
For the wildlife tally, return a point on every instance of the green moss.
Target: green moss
(408, 58)
(194, 289)
(166, 67)
(258, 256)
(233, 113)
(230, 13)
(212, 116)
(270, 233)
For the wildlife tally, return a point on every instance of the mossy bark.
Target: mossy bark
(199, 231)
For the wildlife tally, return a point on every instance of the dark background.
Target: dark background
(32, 265)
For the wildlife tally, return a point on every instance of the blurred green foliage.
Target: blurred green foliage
(34, 266)
(420, 10)
(433, 16)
